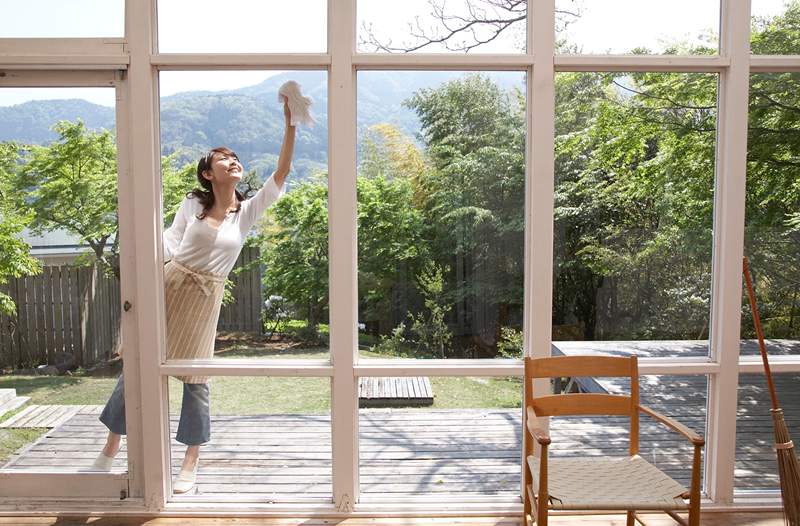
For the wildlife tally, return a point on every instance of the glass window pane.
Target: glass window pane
(680, 397)
(638, 28)
(443, 436)
(441, 190)
(438, 26)
(59, 276)
(242, 26)
(775, 27)
(772, 234)
(756, 464)
(270, 438)
(276, 304)
(633, 208)
(59, 19)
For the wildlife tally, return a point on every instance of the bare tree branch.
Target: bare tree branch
(462, 30)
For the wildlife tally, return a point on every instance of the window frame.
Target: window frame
(136, 60)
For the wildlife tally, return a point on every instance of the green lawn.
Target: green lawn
(237, 395)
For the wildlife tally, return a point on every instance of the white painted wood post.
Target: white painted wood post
(343, 288)
(729, 202)
(147, 298)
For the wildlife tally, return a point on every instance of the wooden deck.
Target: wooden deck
(418, 451)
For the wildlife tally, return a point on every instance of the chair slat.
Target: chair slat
(576, 366)
(583, 404)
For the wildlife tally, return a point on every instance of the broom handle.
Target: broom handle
(759, 332)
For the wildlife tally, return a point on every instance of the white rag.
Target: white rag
(299, 105)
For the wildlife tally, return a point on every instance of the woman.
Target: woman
(202, 244)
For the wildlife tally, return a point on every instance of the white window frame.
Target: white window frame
(139, 147)
(113, 487)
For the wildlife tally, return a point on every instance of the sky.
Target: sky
(272, 26)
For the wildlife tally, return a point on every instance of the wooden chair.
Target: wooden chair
(627, 483)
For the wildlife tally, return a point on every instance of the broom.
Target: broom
(787, 461)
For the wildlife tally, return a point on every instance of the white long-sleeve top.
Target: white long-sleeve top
(195, 244)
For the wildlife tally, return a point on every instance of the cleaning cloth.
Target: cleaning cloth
(299, 105)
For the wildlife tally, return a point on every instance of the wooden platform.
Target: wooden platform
(394, 391)
(9, 401)
(48, 416)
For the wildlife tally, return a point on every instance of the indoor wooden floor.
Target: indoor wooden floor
(709, 519)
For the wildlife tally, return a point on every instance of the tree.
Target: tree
(391, 248)
(15, 259)
(473, 196)
(391, 244)
(72, 185)
(294, 247)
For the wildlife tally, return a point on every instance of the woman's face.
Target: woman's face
(224, 169)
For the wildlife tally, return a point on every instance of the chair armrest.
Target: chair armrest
(539, 434)
(693, 437)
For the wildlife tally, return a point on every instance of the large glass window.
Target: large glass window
(775, 27)
(637, 28)
(441, 196)
(633, 213)
(772, 234)
(439, 26)
(441, 436)
(270, 439)
(682, 398)
(73, 19)
(276, 296)
(756, 461)
(242, 26)
(59, 275)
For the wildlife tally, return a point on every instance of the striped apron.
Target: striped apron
(193, 300)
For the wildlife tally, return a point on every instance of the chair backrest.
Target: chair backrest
(573, 404)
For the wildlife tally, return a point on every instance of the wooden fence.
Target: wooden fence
(244, 314)
(63, 309)
(77, 310)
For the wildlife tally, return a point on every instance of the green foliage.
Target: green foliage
(15, 260)
(294, 242)
(779, 35)
(432, 335)
(473, 193)
(390, 242)
(395, 343)
(510, 344)
(72, 185)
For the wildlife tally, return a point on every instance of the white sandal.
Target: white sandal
(185, 480)
(102, 463)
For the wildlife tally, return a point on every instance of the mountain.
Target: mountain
(249, 120)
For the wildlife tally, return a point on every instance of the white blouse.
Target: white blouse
(195, 244)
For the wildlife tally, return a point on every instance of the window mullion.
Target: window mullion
(729, 201)
(342, 255)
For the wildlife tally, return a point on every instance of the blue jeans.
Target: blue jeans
(194, 427)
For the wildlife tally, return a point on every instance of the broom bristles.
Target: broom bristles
(788, 469)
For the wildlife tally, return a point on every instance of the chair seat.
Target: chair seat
(608, 483)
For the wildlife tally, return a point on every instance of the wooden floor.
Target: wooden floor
(708, 519)
(402, 452)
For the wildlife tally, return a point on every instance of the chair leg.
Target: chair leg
(631, 518)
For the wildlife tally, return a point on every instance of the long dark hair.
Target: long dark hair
(205, 194)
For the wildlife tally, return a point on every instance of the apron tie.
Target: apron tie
(202, 280)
